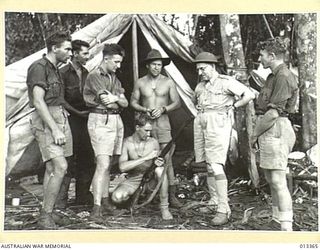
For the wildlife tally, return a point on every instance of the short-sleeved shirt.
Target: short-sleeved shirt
(44, 74)
(74, 85)
(280, 91)
(97, 83)
(218, 93)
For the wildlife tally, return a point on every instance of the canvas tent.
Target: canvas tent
(137, 34)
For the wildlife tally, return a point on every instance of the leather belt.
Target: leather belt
(105, 111)
(283, 114)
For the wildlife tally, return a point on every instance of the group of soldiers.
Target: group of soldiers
(78, 127)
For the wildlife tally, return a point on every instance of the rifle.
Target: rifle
(147, 175)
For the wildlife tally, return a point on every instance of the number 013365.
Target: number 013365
(309, 246)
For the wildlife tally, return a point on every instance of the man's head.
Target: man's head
(112, 57)
(154, 62)
(59, 44)
(205, 63)
(80, 51)
(272, 52)
(143, 126)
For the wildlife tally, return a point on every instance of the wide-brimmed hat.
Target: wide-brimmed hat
(206, 57)
(155, 55)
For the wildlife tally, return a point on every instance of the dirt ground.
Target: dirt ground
(251, 209)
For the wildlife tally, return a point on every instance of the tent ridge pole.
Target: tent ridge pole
(135, 50)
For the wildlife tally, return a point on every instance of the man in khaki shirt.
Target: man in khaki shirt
(105, 99)
(216, 97)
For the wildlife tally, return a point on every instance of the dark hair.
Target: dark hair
(113, 49)
(141, 119)
(77, 44)
(276, 45)
(57, 39)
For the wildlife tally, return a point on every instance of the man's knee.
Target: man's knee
(215, 169)
(60, 166)
(103, 162)
(278, 184)
(158, 171)
(49, 167)
(278, 180)
(119, 196)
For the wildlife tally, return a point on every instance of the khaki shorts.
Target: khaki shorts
(106, 139)
(132, 183)
(43, 134)
(276, 144)
(212, 131)
(161, 129)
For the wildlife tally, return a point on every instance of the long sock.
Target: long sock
(222, 192)
(211, 181)
(286, 219)
(275, 213)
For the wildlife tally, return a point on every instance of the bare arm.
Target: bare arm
(174, 97)
(245, 98)
(108, 98)
(122, 101)
(74, 111)
(135, 99)
(42, 108)
(266, 122)
(125, 164)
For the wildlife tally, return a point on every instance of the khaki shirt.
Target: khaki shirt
(218, 93)
(280, 91)
(97, 83)
(44, 74)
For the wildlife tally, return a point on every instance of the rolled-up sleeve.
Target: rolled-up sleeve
(235, 87)
(37, 77)
(92, 89)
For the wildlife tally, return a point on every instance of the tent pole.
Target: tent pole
(135, 50)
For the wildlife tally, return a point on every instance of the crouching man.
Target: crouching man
(137, 156)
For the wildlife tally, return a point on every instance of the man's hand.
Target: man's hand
(112, 106)
(159, 162)
(254, 142)
(108, 98)
(58, 137)
(156, 113)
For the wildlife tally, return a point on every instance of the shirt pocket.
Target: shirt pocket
(72, 93)
(215, 96)
(53, 89)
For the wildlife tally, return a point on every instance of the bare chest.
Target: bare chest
(139, 149)
(154, 89)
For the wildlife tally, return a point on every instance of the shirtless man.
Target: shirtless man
(138, 152)
(156, 95)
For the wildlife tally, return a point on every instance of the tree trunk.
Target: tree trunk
(234, 58)
(306, 38)
(42, 29)
(59, 20)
